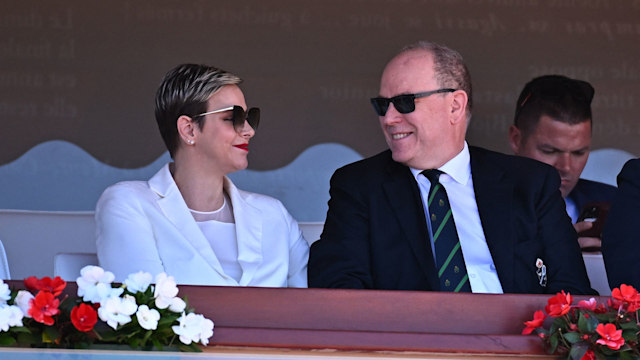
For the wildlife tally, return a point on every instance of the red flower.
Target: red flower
(627, 294)
(31, 283)
(84, 317)
(54, 286)
(589, 355)
(538, 319)
(611, 337)
(600, 309)
(614, 304)
(558, 305)
(43, 306)
(588, 305)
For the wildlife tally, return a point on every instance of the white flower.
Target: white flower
(94, 284)
(193, 328)
(138, 282)
(165, 291)
(177, 305)
(5, 293)
(22, 301)
(117, 311)
(147, 318)
(15, 316)
(10, 316)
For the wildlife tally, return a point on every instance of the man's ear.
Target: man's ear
(515, 139)
(459, 105)
(186, 129)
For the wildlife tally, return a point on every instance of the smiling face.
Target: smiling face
(432, 134)
(218, 143)
(561, 145)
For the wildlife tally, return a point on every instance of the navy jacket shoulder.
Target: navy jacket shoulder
(620, 239)
(587, 191)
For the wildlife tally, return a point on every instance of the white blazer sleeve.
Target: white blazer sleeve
(124, 236)
(298, 254)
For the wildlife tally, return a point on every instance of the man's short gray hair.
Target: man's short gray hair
(449, 67)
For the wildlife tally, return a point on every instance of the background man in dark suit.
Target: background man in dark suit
(620, 240)
(513, 231)
(552, 124)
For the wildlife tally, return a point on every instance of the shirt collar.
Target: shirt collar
(458, 168)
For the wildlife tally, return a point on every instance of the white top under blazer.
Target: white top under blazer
(147, 226)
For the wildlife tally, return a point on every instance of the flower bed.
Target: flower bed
(137, 313)
(590, 330)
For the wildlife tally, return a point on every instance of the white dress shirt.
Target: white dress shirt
(458, 183)
(572, 209)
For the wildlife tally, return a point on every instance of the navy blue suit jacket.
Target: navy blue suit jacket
(620, 239)
(587, 191)
(375, 234)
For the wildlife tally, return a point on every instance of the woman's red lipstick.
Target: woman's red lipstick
(244, 147)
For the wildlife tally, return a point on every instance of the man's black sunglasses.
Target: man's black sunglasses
(252, 116)
(403, 103)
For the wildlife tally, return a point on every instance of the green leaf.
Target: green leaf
(603, 318)
(50, 334)
(20, 329)
(626, 355)
(29, 338)
(553, 342)
(572, 337)
(578, 350)
(558, 323)
(193, 347)
(629, 335)
(146, 337)
(156, 344)
(81, 345)
(6, 339)
(629, 325)
(583, 323)
(607, 351)
(587, 324)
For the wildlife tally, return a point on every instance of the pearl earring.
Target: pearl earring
(191, 142)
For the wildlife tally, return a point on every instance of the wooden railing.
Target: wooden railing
(368, 320)
(365, 321)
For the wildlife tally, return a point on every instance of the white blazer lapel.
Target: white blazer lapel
(175, 209)
(248, 232)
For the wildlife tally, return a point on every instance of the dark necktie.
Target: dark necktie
(449, 260)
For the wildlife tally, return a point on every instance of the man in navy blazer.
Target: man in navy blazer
(514, 233)
(552, 124)
(620, 240)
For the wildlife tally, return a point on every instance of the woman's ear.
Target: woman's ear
(459, 100)
(186, 129)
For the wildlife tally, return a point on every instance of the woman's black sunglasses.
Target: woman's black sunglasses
(403, 103)
(252, 116)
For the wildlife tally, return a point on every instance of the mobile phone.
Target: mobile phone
(595, 212)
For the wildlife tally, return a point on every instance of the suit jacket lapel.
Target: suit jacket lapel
(494, 194)
(403, 194)
(175, 209)
(248, 233)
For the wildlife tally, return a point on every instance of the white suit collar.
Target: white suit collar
(247, 217)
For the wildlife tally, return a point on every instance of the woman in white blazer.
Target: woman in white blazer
(189, 220)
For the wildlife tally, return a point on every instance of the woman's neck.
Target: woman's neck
(200, 186)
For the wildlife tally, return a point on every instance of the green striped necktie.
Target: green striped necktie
(449, 260)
